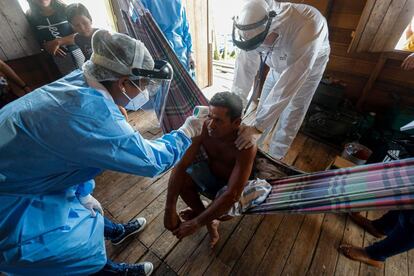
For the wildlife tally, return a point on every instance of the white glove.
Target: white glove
(90, 203)
(247, 137)
(192, 126)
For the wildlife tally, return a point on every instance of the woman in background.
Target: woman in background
(54, 33)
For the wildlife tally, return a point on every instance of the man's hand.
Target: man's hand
(186, 228)
(90, 203)
(171, 220)
(408, 63)
(247, 137)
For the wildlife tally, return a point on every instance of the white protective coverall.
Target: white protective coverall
(297, 63)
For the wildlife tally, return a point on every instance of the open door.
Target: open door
(198, 16)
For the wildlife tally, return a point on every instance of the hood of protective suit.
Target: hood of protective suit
(115, 55)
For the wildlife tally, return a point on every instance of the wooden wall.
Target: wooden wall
(355, 69)
(16, 38)
(36, 70)
(20, 50)
(198, 18)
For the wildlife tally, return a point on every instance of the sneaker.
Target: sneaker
(139, 269)
(132, 227)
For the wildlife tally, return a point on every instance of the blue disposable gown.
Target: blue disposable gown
(53, 142)
(171, 18)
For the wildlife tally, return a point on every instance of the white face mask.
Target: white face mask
(138, 101)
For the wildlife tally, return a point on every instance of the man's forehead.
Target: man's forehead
(218, 111)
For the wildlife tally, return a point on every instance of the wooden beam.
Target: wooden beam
(117, 6)
(374, 75)
(366, 13)
(357, 67)
(344, 20)
(387, 26)
(403, 19)
(17, 39)
(374, 23)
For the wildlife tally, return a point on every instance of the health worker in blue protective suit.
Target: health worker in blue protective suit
(54, 141)
(172, 20)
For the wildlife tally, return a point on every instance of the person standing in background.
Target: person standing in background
(292, 39)
(175, 27)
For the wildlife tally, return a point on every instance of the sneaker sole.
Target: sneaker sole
(130, 234)
(150, 272)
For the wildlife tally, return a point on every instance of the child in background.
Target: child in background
(81, 21)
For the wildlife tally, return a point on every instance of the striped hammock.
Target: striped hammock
(184, 93)
(370, 187)
(362, 188)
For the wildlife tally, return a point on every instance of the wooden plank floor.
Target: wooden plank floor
(249, 245)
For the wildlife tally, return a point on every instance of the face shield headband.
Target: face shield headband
(257, 40)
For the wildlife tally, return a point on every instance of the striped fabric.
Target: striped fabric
(370, 187)
(184, 93)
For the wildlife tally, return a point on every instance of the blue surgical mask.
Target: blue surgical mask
(138, 101)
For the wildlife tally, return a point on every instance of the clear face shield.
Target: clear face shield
(255, 41)
(154, 86)
(152, 83)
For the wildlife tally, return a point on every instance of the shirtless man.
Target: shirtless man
(226, 165)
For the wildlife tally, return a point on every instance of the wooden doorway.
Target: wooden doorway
(199, 20)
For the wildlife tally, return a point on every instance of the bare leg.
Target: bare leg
(212, 229)
(188, 213)
(189, 194)
(171, 219)
(191, 197)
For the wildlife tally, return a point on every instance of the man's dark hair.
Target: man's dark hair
(231, 101)
(77, 9)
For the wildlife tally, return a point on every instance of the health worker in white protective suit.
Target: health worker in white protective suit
(292, 39)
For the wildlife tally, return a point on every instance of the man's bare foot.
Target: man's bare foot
(171, 220)
(187, 214)
(212, 228)
(358, 254)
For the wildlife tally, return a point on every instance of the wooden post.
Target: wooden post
(373, 77)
